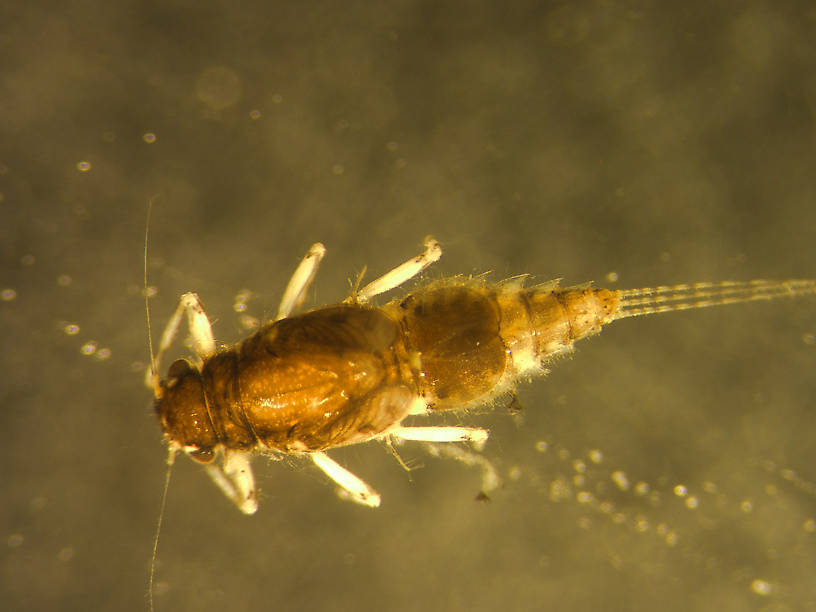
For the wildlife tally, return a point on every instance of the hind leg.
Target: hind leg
(402, 273)
(296, 289)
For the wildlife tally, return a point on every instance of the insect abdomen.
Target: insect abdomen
(473, 342)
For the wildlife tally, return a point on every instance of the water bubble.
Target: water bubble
(149, 137)
(83, 166)
(89, 348)
(72, 329)
(8, 294)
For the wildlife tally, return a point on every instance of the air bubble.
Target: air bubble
(65, 554)
(254, 114)
(89, 348)
(338, 169)
(8, 294)
(621, 480)
(761, 587)
(692, 502)
(612, 277)
(15, 540)
(63, 280)
(249, 322)
(103, 354)
(595, 456)
(541, 446)
(72, 329)
(585, 497)
(642, 488)
(149, 137)
(83, 166)
(680, 490)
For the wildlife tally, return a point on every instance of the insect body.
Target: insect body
(352, 372)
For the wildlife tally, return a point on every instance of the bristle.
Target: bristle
(651, 300)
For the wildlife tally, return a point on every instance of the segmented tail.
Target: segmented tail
(651, 300)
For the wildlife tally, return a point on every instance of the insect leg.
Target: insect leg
(200, 332)
(359, 490)
(299, 283)
(403, 272)
(440, 434)
(234, 477)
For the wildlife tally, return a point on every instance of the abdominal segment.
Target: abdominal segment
(475, 341)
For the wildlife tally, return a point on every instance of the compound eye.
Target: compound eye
(202, 455)
(178, 370)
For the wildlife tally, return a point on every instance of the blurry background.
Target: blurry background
(669, 464)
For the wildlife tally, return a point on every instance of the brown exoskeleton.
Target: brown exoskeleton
(352, 372)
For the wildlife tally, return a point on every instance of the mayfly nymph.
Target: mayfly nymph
(352, 372)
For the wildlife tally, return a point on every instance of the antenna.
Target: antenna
(152, 375)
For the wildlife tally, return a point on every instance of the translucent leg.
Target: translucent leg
(402, 273)
(200, 332)
(235, 479)
(358, 489)
(299, 284)
(440, 434)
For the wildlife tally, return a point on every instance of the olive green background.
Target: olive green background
(662, 143)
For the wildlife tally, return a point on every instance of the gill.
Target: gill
(153, 377)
